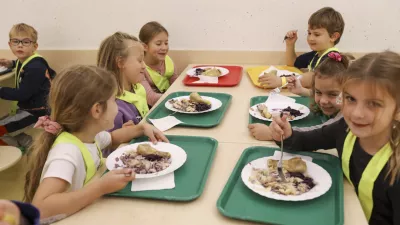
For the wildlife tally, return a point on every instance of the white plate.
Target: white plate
(2, 69)
(322, 179)
(192, 72)
(302, 108)
(215, 104)
(178, 157)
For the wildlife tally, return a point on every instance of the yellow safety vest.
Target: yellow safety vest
(67, 138)
(162, 82)
(319, 60)
(14, 104)
(370, 174)
(139, 99)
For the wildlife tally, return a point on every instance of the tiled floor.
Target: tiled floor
(12, 181)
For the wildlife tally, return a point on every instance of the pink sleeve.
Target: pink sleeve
(173, 78)
(152, 96)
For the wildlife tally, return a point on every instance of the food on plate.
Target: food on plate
(195, 103)
(291, 113)
(263, 109)
(295, 171)
(145, 160)
(212, 72)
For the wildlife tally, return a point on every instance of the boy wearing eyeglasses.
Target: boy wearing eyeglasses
(33, 76)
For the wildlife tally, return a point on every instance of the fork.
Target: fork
(280, 172)
(278, 89)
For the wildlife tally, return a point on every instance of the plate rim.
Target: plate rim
(290, 198)
(152, 175)
(270, 120)
(219, 67)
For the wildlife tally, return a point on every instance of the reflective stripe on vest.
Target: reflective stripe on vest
(138, 99)
(319, 60)
(14, 104)
(370, 174)
(67, 138)
(162, 81)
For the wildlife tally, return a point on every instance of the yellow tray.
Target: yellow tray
(254, 72)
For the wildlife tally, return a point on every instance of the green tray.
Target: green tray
(191, 178)
(239, 202)
(209, 119)
(310, 120)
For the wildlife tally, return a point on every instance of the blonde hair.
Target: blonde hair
(383, 71)
(111, 49)
(328, 18)
(22, 28)
(73, 93)
(329, 68)
(150, 30)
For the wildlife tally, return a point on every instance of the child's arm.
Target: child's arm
(7, 63)
(52, 197)
(32, 82)
(127, 133)
(152, 96)
(291, 38)
(174, 77)
(306, 80)
(323, 138)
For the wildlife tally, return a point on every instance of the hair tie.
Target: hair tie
(335, 56)
(48, 125)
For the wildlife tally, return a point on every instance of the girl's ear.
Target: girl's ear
(397, 116)
(96, 110)
(120, 62)
(146, 47)
(335, 36)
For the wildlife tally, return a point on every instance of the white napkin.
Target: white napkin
(157, 183)
(279, 72)
(165, 123)
(277, 156)
(206, 79)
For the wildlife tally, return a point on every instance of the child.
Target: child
(160, 71)
(68, 154)
(32, 83)
(367, 138)
(326, 89)
(122, 54)
(325, 28)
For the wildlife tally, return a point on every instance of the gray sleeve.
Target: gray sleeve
(330, 121)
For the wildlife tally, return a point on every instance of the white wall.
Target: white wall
(371, 25)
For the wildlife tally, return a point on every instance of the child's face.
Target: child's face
(326, 91)
(158, 46)
(368, 111)
(22, 46)
(133, 67)
(319, 39)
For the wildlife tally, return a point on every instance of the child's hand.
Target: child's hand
(294, 85)
(116, 180)
(9, 213)
(270, 81)
(154, 134)
(280, 126)
(6, 63)
(260, 132)
(129, 123)
(291, 37)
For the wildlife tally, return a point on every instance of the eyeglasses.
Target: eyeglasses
(25, 42)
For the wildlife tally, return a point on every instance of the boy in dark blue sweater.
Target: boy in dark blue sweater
(32, 84)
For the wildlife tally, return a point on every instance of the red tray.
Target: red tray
(233, 78)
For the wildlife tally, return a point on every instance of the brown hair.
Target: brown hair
(329, 19)
(383, 71)
(111, 48)
(22, 28)
(149, 30)
(329, 68)
(73, 93)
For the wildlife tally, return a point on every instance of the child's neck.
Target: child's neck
(22, 60)
(372, 145)
(151, 61)
(323, 51)
(127, 85)
(86, 135)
